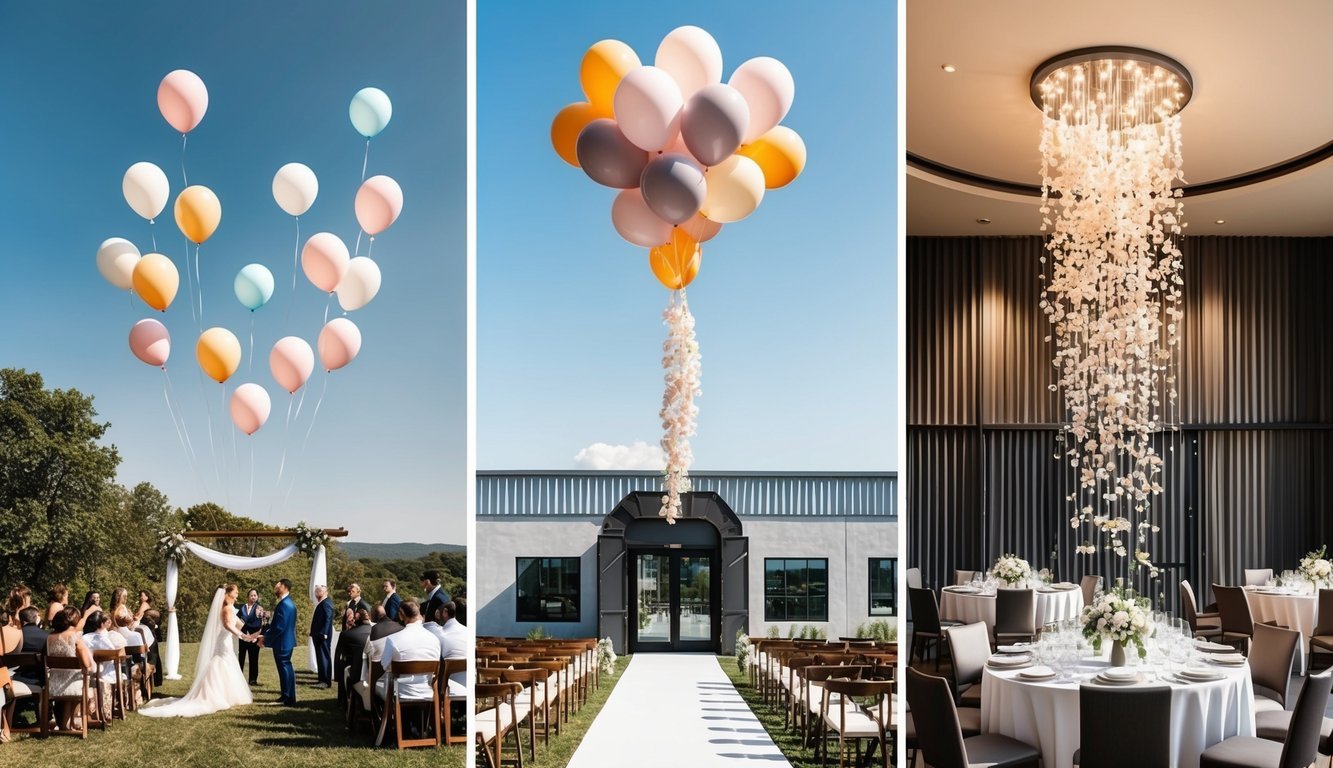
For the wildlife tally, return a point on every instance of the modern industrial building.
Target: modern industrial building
(583, 553)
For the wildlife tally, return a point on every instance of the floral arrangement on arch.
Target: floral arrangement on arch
(171, 545)
(1316, 568)
(1012, 570)
(681, 359)
(606, 656)
(309, 540)
(1119, 616)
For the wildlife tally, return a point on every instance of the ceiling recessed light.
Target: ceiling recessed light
(983, 221)
(949, 68)
(1221, 221)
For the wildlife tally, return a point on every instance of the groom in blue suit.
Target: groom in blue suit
(281, 637)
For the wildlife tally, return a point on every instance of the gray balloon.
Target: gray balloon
(608, 157)
(714, 122)
(673, 186)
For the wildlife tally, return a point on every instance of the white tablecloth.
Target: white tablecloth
(1046, 714)
(971, 608)
(1298, 612)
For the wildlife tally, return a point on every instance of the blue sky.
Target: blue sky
(387, 454)
(794, 305)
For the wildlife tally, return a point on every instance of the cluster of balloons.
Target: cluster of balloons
(153, 277)
(690, 152)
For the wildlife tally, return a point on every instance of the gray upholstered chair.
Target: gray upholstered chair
(1258, 577)
(940, 740)
(1271, 654)
(969, 648)
(1302, 739)
(964, 577)
(927, 627)
(914, 578)
(1015, 615)
(1322, 636)
(1201, 624)
(1234, 610)
(1106, 715)
(1090, 584)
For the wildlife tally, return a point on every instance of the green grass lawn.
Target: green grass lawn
(562, 747)
(310, 734)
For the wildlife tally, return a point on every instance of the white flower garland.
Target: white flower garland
(681, 359)
(1112, 297)
(171, 545)
(309, 540)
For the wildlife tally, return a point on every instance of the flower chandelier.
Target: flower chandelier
(1110, 147)
(682, 362)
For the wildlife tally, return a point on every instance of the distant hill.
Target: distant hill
(404, 551)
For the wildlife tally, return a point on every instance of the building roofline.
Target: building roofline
(651, 473)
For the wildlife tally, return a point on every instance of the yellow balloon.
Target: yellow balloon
(565, 129)
(603, 67)
(198, 212)
(219, 353)
(780, 154)
(676, 264)
(156, 280)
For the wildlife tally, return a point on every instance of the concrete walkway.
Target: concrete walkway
(676, 709)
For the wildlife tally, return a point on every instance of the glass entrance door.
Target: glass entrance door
(675, 601)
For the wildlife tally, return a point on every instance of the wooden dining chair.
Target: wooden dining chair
(1108, 715)
(449, 668)
(492, 723)
(1272, 652)
(927, 627)
(940, 739)
(1234, 610)
(1201, 624)
(19, 689)
(1322, 635)
(395, 705)
(79, 700)
(530, 701)
(856, 722)
(115, 658)
(1302, 740)
(551, 697)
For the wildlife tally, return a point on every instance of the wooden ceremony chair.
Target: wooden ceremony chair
(448, 668)
(495, 722)
(394, 704)
(80, 699)
(18, 689)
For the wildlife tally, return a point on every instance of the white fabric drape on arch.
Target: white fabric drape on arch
(171, 653)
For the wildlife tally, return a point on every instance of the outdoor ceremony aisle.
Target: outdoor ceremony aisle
(673, 709)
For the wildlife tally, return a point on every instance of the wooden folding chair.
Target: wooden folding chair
(553, 693)
(854, 722)
(18, 689)
(526, 707)
(361, 700)
(394, 704)
(71, 664)
(116, 658)
(493, 723)
(448, 668)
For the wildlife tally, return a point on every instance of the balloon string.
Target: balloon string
(370, 247)
(357, 250)
(286, 434)
(235, 462)
(327, 302)
(212, 443)
(199, 281)
(184, 178)
(296, 256)
(152, 232)
(251, 364)
(365, 160)
(189, 286)
(301, 402)
(313, 417)
(252, 476)
(186, 448)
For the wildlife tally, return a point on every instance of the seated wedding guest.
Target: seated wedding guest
(435, 594)
(134, 642)
(380, 631)
(455, 643)
(119, 603)
(59, 597)
(20, 597)
(384, 626)
(66, 640)
(413, 643)
(461, 614)
(11, 634)
(97, 635)
(150, 622)
(391, 599)
(145, 604)
(34, 641)
(92, 601)
(347, 656)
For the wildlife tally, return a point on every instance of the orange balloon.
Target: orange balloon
(780, 154)
(198, 212)
(676, 263)
(603, 67)
(565, 129)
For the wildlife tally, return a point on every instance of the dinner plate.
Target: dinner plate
(1199, 674)
(1120, 673)
(1230, 660)
(1204, 645)
(1065, 585)
(1011, 649)
(962, 590)
(1008, 660)
(1104, 680)
(1037, 673)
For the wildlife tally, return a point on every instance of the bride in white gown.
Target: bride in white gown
(218, 681)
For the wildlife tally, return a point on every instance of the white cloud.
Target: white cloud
(640, 455)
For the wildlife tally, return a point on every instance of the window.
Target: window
(548, 589)
(883, 586)
(795, 589)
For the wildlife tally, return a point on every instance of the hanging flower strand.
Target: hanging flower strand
(681, 359)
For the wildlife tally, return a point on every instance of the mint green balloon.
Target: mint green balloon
(370, 111)
(253, 286)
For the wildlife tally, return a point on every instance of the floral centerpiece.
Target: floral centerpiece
(1121, 617)
(606, 656)
(171, 545)
(1316, 568)
(1012, 570)
(309, 540)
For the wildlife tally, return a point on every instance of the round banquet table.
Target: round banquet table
(1051, 605)
(1046, 714)
(1293, 611)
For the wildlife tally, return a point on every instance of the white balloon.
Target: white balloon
(295, 188)
(768, 89)
(647, 108)
(735, 189)
(360, 284)
(692, 57)
(116, 258)
(146, 189)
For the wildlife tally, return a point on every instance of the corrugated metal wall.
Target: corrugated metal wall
(1248, 475)
(748, 494)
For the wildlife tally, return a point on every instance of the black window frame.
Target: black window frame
(786, 597)
(575, 599)
(892, 591)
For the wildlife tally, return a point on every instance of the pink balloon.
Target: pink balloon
(702, 229)
(378, 203)
(338, 343)
(250, 407)
(647, 108)
(636, 223)
(768, 89)
(150, 342)
(324, 260)
(182, 99)
(291, 362)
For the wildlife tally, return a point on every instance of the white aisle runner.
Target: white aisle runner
(676, 709)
